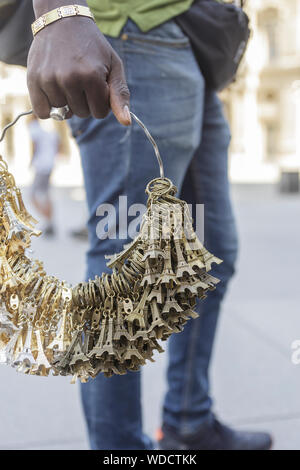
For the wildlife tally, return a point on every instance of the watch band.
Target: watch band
(59, 13)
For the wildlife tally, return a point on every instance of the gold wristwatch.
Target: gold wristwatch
(59, 13)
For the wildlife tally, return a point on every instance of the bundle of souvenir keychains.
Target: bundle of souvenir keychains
(111, 324)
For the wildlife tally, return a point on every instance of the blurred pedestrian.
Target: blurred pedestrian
(45, 148)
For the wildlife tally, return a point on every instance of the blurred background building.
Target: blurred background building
(17, 146)
(263, 106)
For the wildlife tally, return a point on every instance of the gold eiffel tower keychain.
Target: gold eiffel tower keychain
(111, 324)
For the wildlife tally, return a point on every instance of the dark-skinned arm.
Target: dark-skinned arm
(71, 62)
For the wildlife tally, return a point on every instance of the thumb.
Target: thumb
(119, 94)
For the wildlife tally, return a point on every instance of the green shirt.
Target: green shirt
(111, 15)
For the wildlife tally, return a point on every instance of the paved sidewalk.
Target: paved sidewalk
(253, 380)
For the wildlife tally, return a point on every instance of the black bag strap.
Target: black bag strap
(15, 33)
(7, 10)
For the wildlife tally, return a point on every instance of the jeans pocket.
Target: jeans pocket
(158, 41)
(168, 34)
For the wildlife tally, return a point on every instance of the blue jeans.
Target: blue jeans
(168, 93)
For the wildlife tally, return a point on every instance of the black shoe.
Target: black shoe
(215, 436)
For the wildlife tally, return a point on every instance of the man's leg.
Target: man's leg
(167, 93)
(187, 416)
(187, 404)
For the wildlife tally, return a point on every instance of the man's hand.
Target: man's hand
(71, 62)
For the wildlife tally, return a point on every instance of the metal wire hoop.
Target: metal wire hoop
(160, 163)
(5, 129)
(149, 136)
